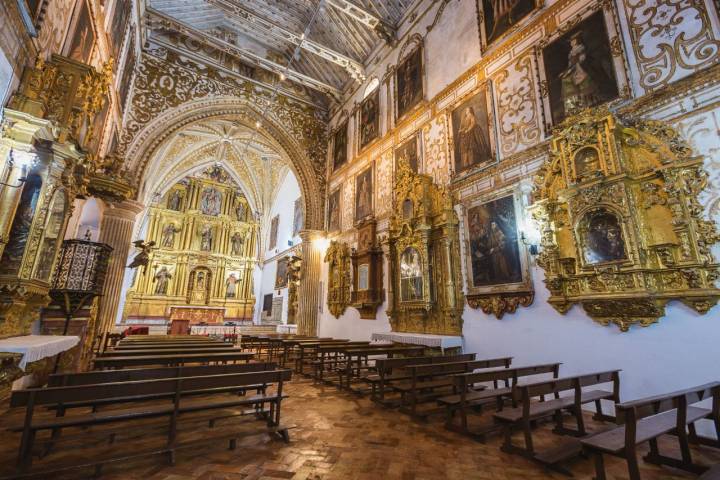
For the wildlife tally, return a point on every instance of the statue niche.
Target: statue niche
(199, 286)
(622, 229)
(425, 294)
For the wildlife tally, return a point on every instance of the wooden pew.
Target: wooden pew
(172, 346)
(357, 360)
(387, 369)
(306, 351)
(173, 388)
(434, 376)
(713, 473)
(646, 419)
(531, 411)
(174, 359)
(329, 356)
(166, 351)
(467, 397)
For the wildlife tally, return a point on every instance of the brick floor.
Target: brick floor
(342, 436)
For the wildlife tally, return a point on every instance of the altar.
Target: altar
(195, 315)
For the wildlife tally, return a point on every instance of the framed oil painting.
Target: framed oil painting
(274, 225)
(498, 275)
(333, 221)
(409, 151)
(409, 88)
(369, 118)
(473, 143)
(281, 275)
(579, 69)
(411, 276)
(118, 25)
(81, 43)
(501, 16)
(340, 146)
(298, 218)
(363, 195)
(128, 70)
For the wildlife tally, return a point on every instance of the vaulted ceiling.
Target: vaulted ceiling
(318, 45)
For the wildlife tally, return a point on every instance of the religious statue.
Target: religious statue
(231, 286)
(473, 145)
(210, 201)
(162, 277)
(142, 258)
(174, 201)
(578, 88)
(168, 235)
(241, 211)
(200, 284)
(206, 238)
(236, 242)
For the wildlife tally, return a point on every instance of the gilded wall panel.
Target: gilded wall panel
(57, 20)
(348, 202)
(436, 149)
(384, 181)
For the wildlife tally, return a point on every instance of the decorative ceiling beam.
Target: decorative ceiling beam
(251, 20)
(385, 31)
(158, 20)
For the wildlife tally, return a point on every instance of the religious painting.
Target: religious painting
(408, 152)
(471, 133)
(494, 247)
(369, 118)
(22, 223)
(267, 304)
(210, 201)
(409, 82)
(364, 277)
(83, 39)
(298, 217)
(340, 153)
(411, 276)
(127, 72)
(579, 69)
(281, 274)
(586, 164)
(333, 221)
(118, 25)
(274, 226)
(603, 237)
(363, 195)
(501, 16)
(231, 284)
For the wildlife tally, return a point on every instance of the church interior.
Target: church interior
(360, 239)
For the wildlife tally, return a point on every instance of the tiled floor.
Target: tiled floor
(342, 436)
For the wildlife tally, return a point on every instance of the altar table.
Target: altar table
(37, 347)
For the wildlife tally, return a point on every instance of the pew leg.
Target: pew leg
(632, 463)
(598, 411)
(527, 433)
(684, 447)
(507, 445)
(25, 454)
(693, 436)
(599, 467)
(654, 455)
(232, 444)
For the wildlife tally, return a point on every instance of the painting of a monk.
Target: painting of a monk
(471, 133)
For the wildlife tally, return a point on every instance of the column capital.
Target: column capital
(310, 235)
(127, 209)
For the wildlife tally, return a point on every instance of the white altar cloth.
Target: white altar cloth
(37, 347)
(433, 341)
(286, 329)
(214, 329)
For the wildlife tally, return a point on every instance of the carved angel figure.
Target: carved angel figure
(143, 257)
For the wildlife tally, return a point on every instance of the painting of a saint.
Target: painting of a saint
(162, 279)
(408, 153)
(231, 286)
(363, 195)
(274, 226)
(297, 217)
(22, 223)
(281, 275)
(369, 118)
(168, 235)
(236, 243)
(206, 238)
(409, 82)
(494, 247)
(471, 133)
(128, 70)
(411, 276)
(587, 164)
(603, 238)
(210, 201)
(83, 39)
(334, 211)
(119, 23)
(340, 146)
(579, 69)
(499, 16)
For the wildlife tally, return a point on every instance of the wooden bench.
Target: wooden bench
(531, 411)
(647, 419)
(165, 351)
(173, 388)
(391, 369)
(306, 351)
(466, 396)
(171, 346)
(713, 473)
(358, 360)
(174, 359)
(328, 357)
(425, 380)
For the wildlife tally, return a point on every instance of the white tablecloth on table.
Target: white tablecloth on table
(214, 329)
(433, 341)
(286, 329)
(37, 347)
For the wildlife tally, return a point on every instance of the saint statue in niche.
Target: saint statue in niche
(200, 285)
(206, 238)
(162, 279)
(411, 281)
(168, 235)
(587, 164)
(174, 201)
(471, 133)
(210, 201)
(603, 238)
(20, 230)
(241, 211)
(231, 286)
(236, 243)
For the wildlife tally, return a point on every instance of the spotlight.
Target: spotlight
(258, 124)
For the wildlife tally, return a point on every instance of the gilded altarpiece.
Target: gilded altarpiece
(338, 259)
(425, 291)
(622, 229)
(205, 250)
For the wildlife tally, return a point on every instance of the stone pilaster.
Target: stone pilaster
(116, 230)
(309, 288)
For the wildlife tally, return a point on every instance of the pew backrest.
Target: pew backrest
(508, 375)
(635, 410)
(388, 364)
